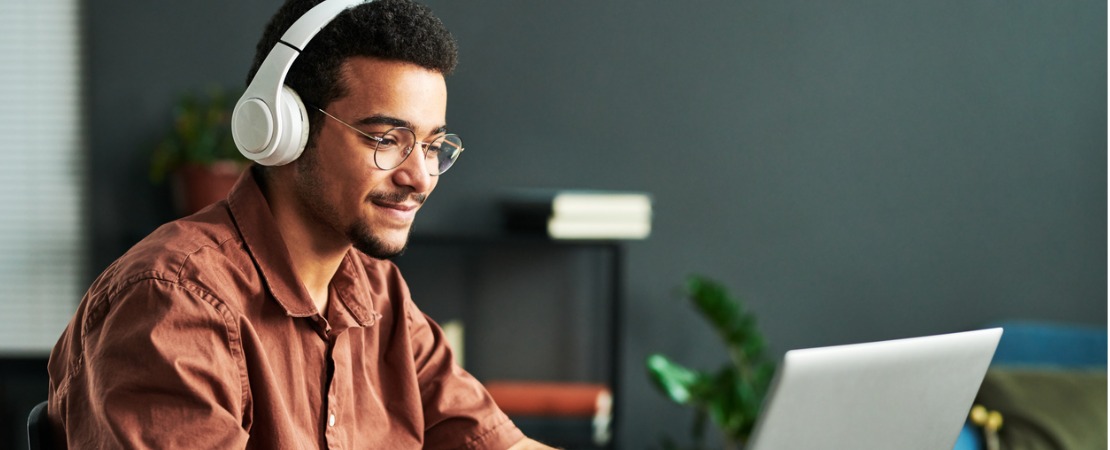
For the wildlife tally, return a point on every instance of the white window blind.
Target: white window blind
(41, 173)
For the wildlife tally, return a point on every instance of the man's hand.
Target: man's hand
(528, 444)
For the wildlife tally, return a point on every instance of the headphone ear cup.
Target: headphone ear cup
(293, 129)
(252, 126)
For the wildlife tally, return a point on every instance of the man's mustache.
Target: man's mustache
(396, 197)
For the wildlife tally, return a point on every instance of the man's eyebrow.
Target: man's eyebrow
(379, 119)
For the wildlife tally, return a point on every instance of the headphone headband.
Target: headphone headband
(270, 123)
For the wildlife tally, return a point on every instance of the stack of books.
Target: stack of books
(579, 214)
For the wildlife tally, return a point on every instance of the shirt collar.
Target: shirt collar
(256, 224)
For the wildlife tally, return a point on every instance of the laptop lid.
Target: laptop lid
(908, 394)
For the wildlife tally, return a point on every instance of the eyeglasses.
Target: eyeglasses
(392, 147)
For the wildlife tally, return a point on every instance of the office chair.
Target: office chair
(38, 428)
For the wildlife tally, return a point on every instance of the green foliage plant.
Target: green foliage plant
(731, 396)
(201, 134)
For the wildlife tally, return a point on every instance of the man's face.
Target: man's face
(337, 183)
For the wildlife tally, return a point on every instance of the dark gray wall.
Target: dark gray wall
(855, 169)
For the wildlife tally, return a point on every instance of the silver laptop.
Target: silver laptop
(906, 394)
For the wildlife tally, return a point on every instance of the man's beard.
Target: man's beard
(363, 238)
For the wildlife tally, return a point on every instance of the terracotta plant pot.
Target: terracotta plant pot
(198, 185)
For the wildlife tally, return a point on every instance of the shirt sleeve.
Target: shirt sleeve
(458, 412)
(156, 365)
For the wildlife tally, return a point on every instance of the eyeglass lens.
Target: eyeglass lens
(396, 145)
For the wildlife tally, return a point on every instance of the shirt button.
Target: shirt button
(331, 420)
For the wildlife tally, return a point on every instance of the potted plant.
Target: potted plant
(198, 155)
(732, 396)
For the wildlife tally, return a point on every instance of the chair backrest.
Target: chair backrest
(38, 428)
(1045, 344)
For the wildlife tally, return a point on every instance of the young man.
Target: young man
(272, 320)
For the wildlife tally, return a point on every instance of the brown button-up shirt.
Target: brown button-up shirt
(202, 337)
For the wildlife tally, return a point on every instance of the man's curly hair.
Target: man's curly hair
(397, 30)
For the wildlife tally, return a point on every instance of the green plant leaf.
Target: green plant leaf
(731, 397)
(678, 383)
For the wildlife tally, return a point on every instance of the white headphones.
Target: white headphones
(270, 123)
